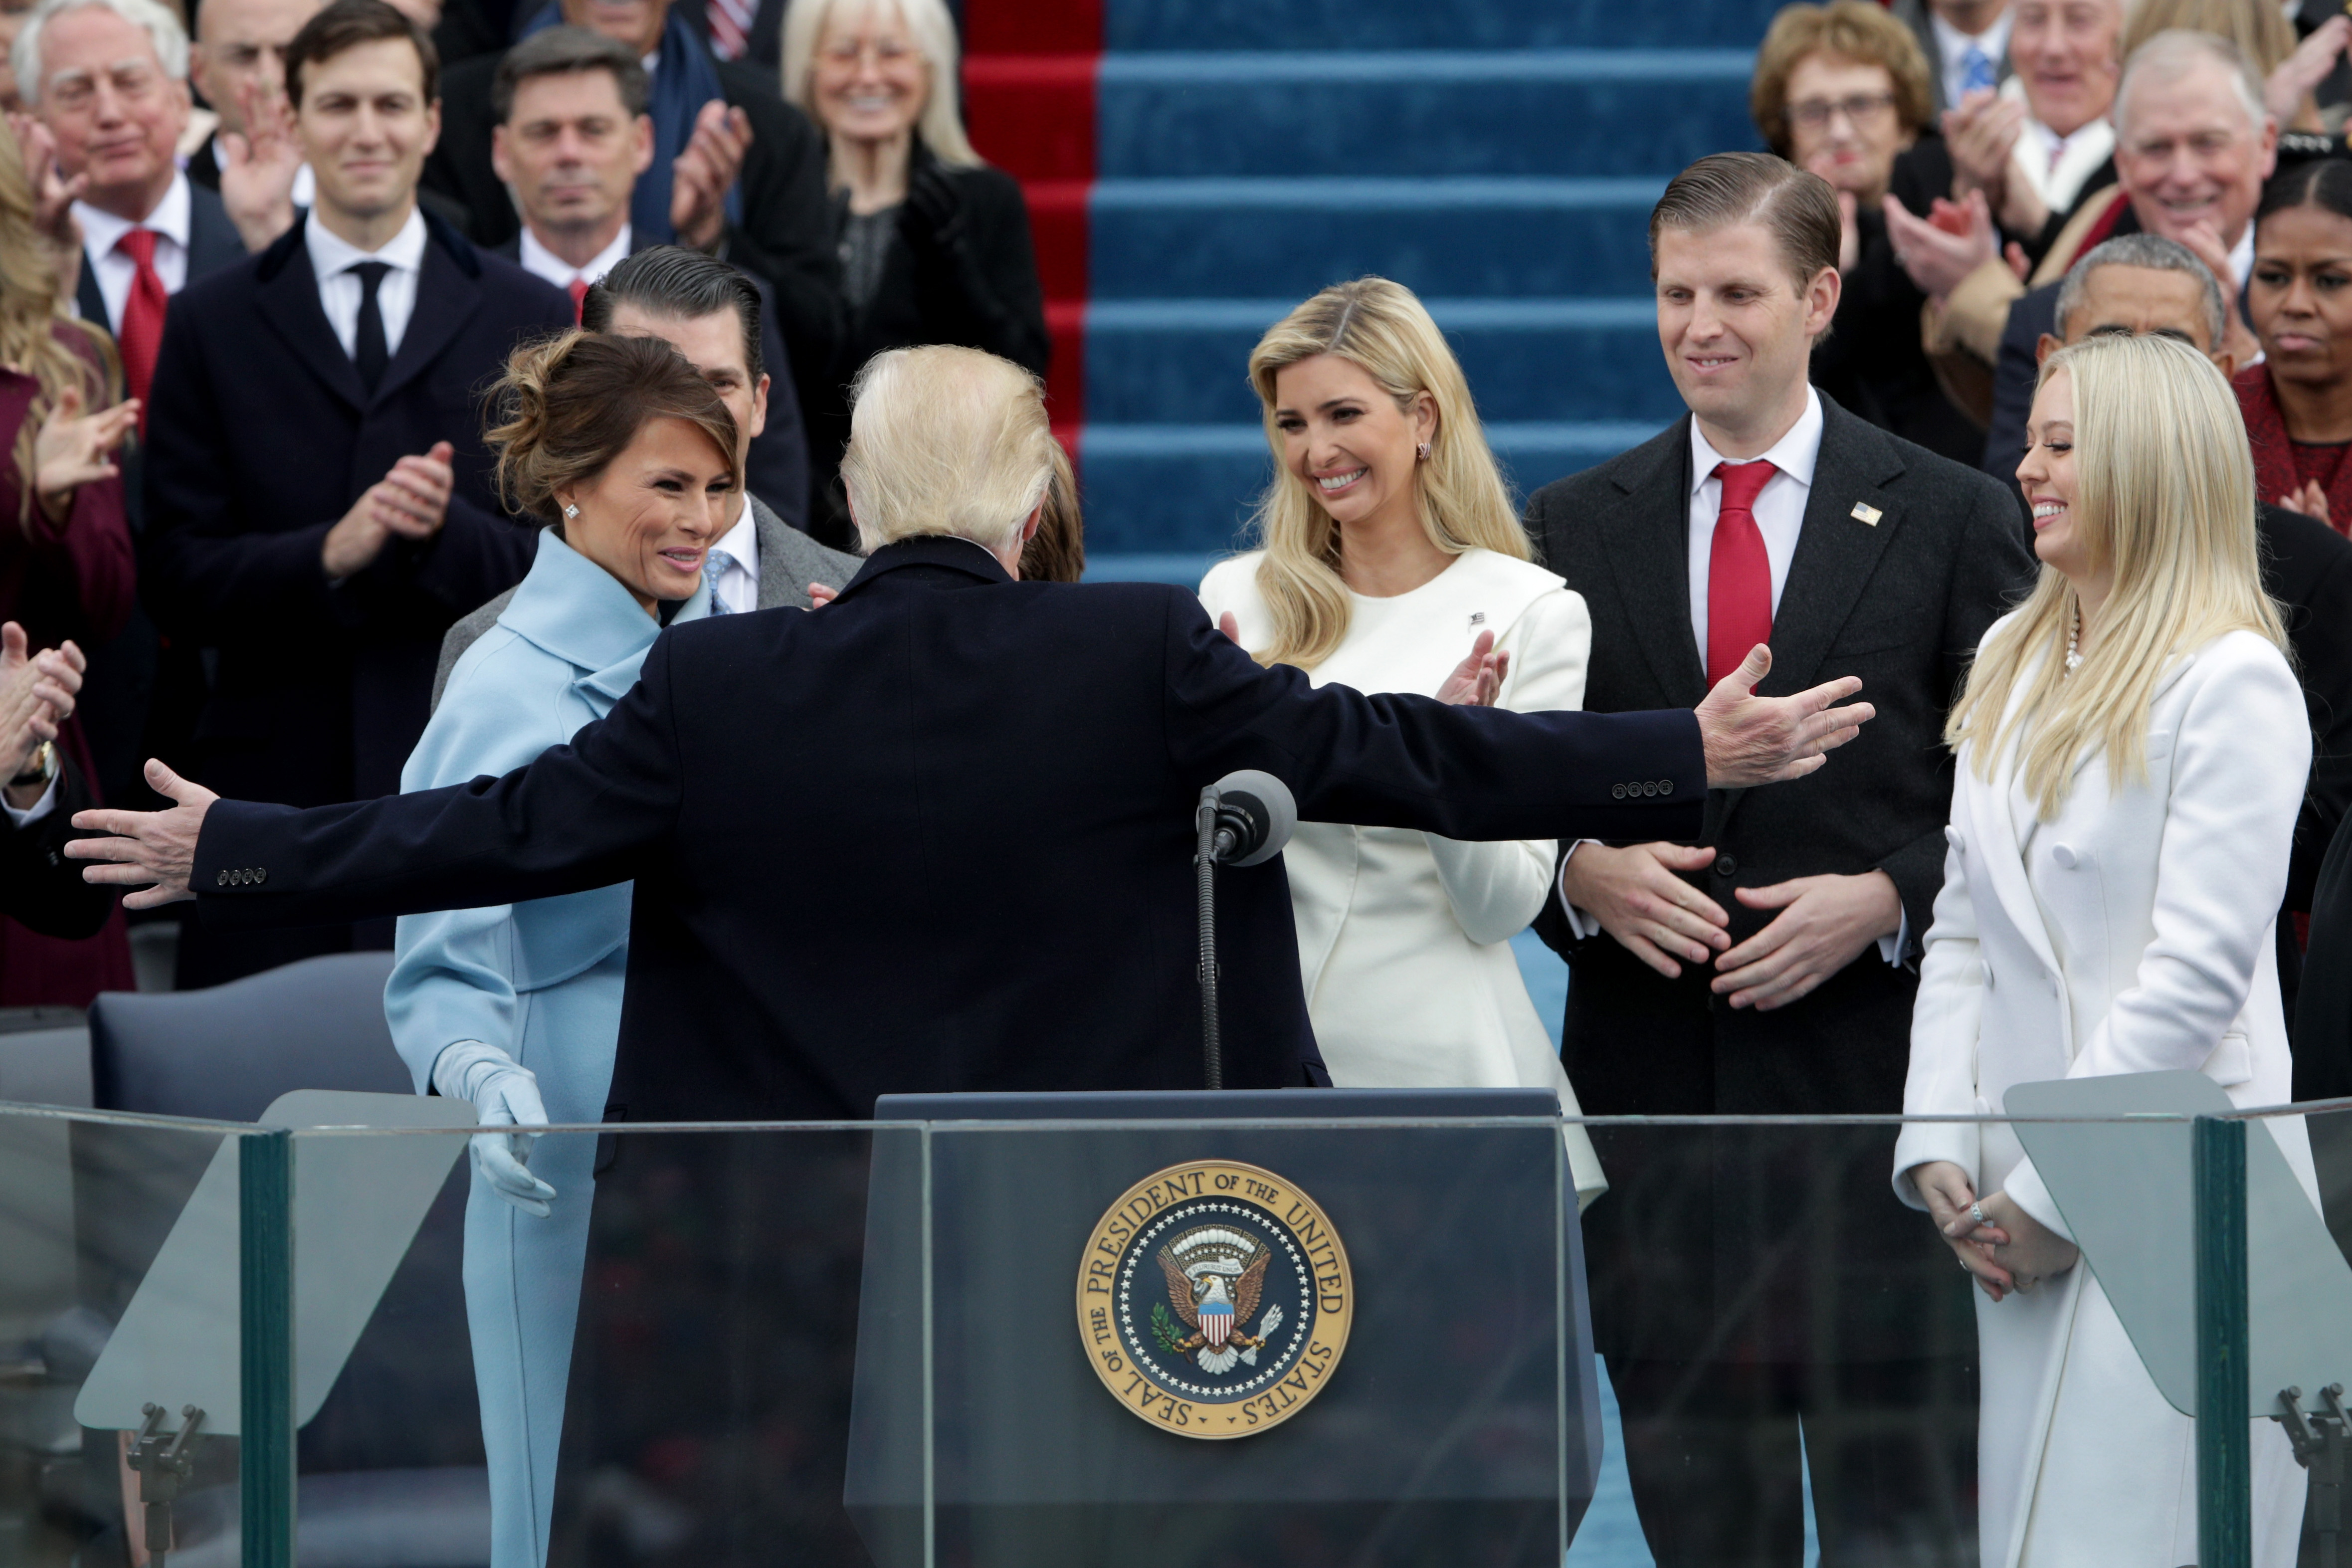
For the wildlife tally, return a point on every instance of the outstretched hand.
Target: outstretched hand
(152, 851)
(1753, 740)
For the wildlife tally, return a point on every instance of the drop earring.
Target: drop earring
(1421, 451)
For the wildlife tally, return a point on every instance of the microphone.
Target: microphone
(1255, 817)
(1242, 819)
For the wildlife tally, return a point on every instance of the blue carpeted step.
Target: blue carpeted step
(1185, 362)
(1420, 24)
(1160, 488)
(1559, 112)
(1207, 239)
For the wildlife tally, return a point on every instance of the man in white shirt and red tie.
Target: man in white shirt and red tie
(108, 82)
(1744, 1284)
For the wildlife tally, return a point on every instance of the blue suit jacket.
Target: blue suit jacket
(260, 440)
(938, 836)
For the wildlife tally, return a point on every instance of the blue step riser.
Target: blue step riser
(1151, 503)
(1498, 251)
(1163, 129)
(1456, 25)
(1537, 373)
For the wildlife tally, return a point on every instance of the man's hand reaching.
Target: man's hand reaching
(1753, 740)
(152, 851)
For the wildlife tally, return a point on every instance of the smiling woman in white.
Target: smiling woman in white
(2133, 747)
(1391, 552)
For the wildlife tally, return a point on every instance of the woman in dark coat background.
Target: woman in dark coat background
(934, 243)
(1843, 90)
(66, 565)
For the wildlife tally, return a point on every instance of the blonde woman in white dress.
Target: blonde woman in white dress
(2133, 746)
(1389, 549)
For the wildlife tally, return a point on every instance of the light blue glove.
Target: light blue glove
(504, 1093)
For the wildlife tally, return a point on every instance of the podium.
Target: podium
(1246, 1328)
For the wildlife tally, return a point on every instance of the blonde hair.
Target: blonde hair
(2164, 500)
(34, 337)
(945, 441)
(1383, 330)
(940, 124)
(2258, 28)
(1857, 30)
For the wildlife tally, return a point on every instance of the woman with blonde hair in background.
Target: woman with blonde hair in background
(2133, 747)
(934, 243)
(66, 571)
(1388, 550)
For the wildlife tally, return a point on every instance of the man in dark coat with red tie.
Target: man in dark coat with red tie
(320, 503)
(1744, 1282)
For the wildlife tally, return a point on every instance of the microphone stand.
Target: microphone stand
(1204, 873)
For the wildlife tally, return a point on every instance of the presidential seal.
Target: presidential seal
(1213, 1300)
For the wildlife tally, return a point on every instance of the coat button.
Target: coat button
(1616, 791)
(1725, 866)
(261, 873)
(1650, 788)
(2064, 855)
(221, 881)
(1665, 787)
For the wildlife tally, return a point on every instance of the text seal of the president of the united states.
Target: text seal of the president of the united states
(1213, 1299)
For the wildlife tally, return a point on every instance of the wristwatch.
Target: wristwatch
(39, 768)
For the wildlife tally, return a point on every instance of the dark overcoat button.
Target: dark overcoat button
(1665, 787)
(1725, 866)
(221, 881)
(1616, 791)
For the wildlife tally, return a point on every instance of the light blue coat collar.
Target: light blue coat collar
(577, 611)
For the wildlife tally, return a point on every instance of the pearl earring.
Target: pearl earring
(572, 511)
(1422, 451)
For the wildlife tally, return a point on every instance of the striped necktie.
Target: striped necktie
(730, 26)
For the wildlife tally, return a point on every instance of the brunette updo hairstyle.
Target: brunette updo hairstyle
(568, 404)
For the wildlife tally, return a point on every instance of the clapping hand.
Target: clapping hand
(1983, 134)
(411, 502)
(71, 450)
(706, 172)
(36, 696)
(1939, 250)
(259, 165)
(2203, 238)
(2311, 501)
(1479, 679)
(53, 198)
(2304, 70)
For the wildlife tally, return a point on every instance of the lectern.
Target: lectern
(1246, 1328)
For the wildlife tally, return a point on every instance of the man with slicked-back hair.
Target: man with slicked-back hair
(1748, 1283)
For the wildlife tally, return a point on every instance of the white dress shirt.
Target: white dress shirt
(38, 810)
(1779, 509)
(332, 258)
(541, 262)
(738, 587)
(1779, 513)
(1952, 48)
(306, 184)
(114, 269)
(2057, 166)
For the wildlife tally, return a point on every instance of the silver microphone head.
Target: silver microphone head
(1259, 812)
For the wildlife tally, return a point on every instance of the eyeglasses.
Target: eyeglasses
(1862, 109)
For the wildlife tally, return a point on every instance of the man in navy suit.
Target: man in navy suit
(320, 507)
(939, 835)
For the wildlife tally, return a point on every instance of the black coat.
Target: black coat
(1871, 359)
(961, 270)
(786, 233)
(979, 797)
(1902, 604)
(260, 439)
(776, 469)
(39, 888)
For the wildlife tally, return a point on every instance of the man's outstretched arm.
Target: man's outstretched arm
(582, 815)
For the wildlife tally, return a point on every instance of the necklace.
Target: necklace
(2073, 641)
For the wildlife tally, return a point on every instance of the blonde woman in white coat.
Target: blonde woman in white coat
(1391, 550)
(2133, 746)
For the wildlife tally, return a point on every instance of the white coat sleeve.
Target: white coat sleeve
(1945, 1021)
(1497, 888)
(2240, 759)
(453, 972)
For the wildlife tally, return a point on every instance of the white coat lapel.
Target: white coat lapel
(2003, 850)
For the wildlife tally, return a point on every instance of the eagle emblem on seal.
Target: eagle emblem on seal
(1215, 1275)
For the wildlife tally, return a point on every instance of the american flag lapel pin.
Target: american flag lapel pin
(1477, 619)
(1867, 513)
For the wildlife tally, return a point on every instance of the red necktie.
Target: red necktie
(579, 287)
(142, 316)
(1738, 573)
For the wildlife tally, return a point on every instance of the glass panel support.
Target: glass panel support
(266, 1345)
(2224, 1466)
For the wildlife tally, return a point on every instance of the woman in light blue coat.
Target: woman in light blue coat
(630, 455)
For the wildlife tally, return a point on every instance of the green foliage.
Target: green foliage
(1163, 1327)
